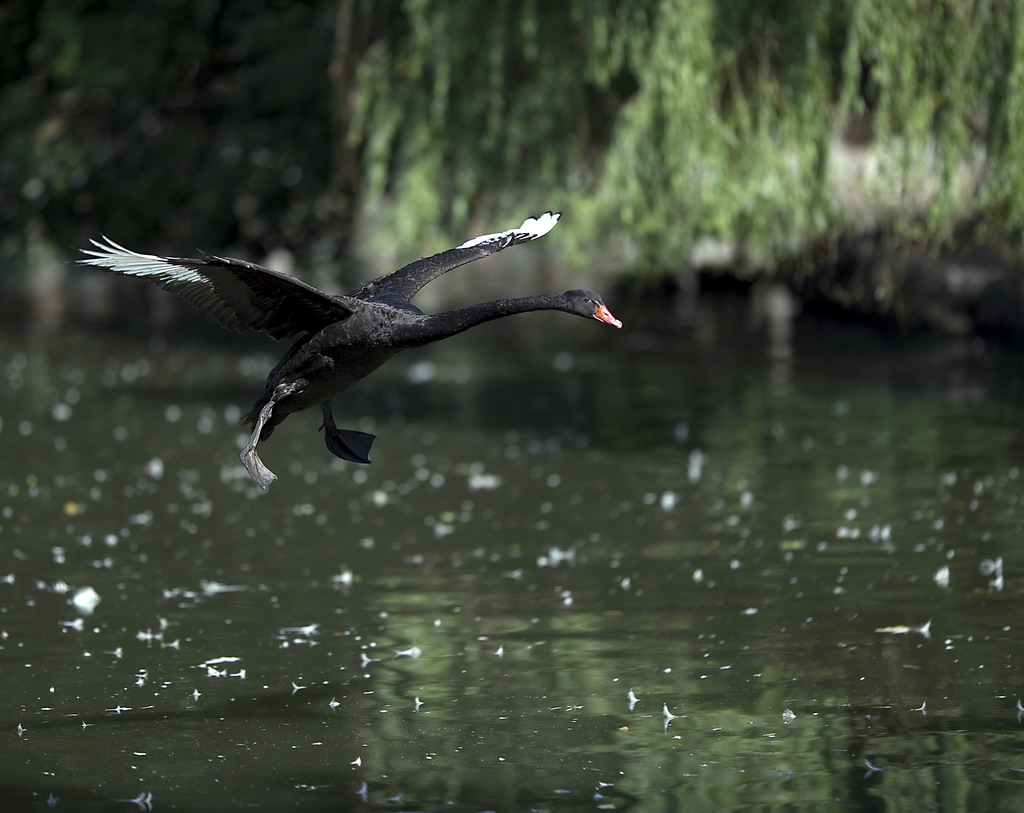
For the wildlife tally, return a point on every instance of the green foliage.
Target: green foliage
(672, 120)
(655, 123)
(474, 106)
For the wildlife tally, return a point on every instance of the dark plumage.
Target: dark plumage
(342, 339)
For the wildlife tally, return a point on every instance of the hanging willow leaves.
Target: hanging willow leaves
(762, 125)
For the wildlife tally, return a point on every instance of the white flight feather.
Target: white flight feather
(532, 228)
(125, 261)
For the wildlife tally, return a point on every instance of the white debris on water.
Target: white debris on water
(307, 630)
(555, 556)
(481, 481)
(212, 588)
(695, 467)
(993, 570)
(61, 411)
(343, 578)
(925, 630)
(154, 468)
(210, 667)
(85, 599)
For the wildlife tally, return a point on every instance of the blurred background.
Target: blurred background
(867, 154)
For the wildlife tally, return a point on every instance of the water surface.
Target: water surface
(696, 567)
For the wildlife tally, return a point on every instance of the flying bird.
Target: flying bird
(341, 339)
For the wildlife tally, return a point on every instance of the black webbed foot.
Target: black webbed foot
(349, 444)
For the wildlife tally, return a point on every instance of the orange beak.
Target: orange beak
(602, 314)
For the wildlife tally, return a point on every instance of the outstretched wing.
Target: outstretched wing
(404, 283)
(238, 294)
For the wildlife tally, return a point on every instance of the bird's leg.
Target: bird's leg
(348, 444)
(257, 471)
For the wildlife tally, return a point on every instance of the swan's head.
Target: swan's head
(590, 305)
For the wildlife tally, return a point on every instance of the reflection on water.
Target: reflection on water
(674, 568)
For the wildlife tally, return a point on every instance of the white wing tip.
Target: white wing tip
(108, 249)
(532, 228)
(115, 257)
(540, 225)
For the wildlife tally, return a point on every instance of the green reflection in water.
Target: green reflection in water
(555, 519)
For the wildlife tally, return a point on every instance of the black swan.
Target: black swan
(341, 338)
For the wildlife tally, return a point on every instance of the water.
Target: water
(704, 567)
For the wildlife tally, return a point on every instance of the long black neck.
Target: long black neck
(443, 325)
